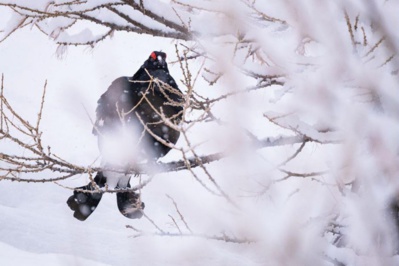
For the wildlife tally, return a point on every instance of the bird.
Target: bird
(136, 123)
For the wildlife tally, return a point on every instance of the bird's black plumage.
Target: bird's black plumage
(130, 127)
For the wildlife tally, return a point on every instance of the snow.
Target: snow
(11, 23)
(329, 85)
(13, 256)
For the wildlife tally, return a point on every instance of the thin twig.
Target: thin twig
(178, 211)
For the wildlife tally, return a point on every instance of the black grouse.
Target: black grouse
(131, 129)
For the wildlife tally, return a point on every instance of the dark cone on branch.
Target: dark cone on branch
(84, 203)
(129, 204)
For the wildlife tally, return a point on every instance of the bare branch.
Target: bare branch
(221, 237)
(181, 215)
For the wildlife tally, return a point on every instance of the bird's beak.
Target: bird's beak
(161, 61)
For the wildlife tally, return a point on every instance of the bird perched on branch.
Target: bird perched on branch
(136, 123)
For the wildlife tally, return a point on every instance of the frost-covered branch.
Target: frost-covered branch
(55, 19)
(38, 159)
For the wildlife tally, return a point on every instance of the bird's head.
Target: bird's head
(157, 60)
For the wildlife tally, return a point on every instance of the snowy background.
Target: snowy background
(327, 85)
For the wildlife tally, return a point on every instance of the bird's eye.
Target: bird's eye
(153, 56)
